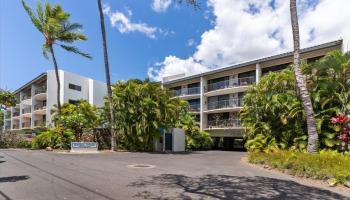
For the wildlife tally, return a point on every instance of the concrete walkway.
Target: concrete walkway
(37, 175)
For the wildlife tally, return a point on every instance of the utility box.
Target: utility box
(174, 140)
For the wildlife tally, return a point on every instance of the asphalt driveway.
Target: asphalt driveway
(37, 175)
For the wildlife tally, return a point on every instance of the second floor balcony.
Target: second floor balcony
(25, 97)
(238, 82)
(222, 104)
(224, 123)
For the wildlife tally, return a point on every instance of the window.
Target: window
(74, 87)
(71, 101)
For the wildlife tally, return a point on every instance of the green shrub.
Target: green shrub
(54, 138)
(13, 140)
(325, 165)
(199, 141)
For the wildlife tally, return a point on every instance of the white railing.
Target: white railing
(230, 103)
(224, 123)
(40, 90)
(26, 110)
(230, 83)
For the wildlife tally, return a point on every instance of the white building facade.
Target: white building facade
(35, 100)
(216, 97)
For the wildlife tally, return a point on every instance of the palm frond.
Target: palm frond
(75, 50)
(46, 50)
(33, 17)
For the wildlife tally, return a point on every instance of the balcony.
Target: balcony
(224, 124)
(186, 92)
(39, 123)
(40, 90)
(40, 109)
(15, 126)
(7, 115)
(40, 93)
(26, 99)
(26, 125)
(16, 114)
(7, 127)
(26, 112)
(234, 83)
(195, 107)
(224, 104)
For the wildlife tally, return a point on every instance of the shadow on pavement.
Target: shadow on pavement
(13, 178)
(172, 186)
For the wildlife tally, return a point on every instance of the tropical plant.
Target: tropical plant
(53, 23)
(342, 125)
(143, 108)
(313, 143)
(274, 109)
(77, 117)
(56, 138)
(195, 138)
(7, 99)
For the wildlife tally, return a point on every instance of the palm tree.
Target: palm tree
(53, 23)
(108, 78)
(312, 145)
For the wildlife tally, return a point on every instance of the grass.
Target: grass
(327, 165)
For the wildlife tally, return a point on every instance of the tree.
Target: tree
(108, 79)
(77, 117)
(7, 98)
(313, 142)
(142, 109)
(53, 23)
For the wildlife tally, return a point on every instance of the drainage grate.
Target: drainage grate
(141, 166)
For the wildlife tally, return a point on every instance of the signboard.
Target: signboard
(84, 147)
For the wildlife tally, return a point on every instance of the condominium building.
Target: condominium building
(216, 96)
(35, 100)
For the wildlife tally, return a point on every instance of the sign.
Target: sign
(84, 146)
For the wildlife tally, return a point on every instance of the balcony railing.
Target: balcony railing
(8, 115)
(231, 103)
(15, 126)
(25, 97)
(39, 123)
(39, 107)
(186, 91)
(224, 123)
(195, 107)
(15, 114)
(7, 127)
(26, 110)
(230, 83)
(40, 90)
(26, 125)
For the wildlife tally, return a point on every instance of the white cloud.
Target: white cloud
(174, 66)
(190, 42)
(161, 5)
(124, 25)
(249, 29)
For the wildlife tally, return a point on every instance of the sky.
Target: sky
(157, 38)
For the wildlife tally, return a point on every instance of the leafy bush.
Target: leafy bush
(54, 138)
(323, 166)
(199, 141)
(13, 140)
(273, 110)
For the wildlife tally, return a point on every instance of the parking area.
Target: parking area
(26, 174)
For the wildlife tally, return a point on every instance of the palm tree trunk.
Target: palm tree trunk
(57, 79)
(312, 145)
(108, 79)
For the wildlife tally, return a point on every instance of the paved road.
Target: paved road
(41, 175)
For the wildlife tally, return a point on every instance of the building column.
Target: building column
(258, 72)
(202, 122)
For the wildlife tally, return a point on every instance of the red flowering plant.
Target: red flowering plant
(341, 124)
